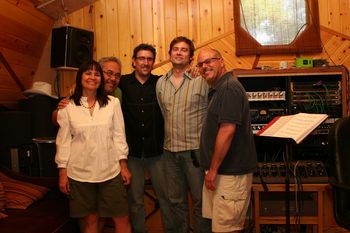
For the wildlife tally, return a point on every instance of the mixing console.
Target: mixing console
(306, 172)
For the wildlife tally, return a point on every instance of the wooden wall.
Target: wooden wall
(24, 32)
(119, 25)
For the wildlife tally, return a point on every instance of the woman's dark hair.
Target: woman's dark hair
(101, 96)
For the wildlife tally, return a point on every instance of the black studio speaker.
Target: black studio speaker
(71, 46)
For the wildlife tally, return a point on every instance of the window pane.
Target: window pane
(274, 22)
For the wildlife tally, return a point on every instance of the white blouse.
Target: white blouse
(90, 146)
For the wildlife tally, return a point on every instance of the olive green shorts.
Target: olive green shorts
(107, 199)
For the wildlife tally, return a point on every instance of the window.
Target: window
(276, 26)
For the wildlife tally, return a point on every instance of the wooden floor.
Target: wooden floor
(154, 224)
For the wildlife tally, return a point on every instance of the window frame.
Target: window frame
(308, 41)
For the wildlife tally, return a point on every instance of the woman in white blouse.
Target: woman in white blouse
(92, 152)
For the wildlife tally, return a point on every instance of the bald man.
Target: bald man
(227, 150)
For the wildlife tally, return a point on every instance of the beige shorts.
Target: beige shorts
(227, 206)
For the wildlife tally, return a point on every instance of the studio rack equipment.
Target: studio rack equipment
(283, 164)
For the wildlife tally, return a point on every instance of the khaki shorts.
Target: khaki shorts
(107, 199)
(228, 204)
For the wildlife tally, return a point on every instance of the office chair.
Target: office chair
(339, 167)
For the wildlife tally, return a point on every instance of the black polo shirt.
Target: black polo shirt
(144, 124)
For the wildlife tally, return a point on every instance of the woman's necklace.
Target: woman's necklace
(88, 107)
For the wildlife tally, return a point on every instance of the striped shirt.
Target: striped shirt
(183, 110)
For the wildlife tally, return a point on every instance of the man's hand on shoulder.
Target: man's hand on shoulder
(63, 103)
(193, 71)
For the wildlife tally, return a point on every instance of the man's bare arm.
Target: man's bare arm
(62, 104)
(222, 144)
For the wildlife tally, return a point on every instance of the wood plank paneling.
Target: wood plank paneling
(157, 22)
(25, 13)
(182, 16)
(325, 37)
(169, 21)
(124, 34)
(82, 19)
(332, 45)
(147, 22)
(344, 15)
(194, 25)
(228, 15)
(101, 30)
(135, 22)
(111, 39)
(205, 21)
(342, 52)
(323, 12)
(20, 38)
(18, 58)
(23, 34)
(119, 25)
(158, 30)
(218, 22)
(346, 63)
(334, 15)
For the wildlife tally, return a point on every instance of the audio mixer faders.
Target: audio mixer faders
(306, 171)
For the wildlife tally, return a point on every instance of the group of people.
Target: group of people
(191, 132)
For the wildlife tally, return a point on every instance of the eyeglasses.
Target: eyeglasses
(149, 59)
(110, 73)
(207, 61)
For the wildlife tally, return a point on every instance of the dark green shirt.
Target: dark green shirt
(118, 93)
(228, 103)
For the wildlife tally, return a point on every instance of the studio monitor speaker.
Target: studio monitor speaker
(71, 46)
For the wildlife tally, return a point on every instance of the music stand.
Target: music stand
(287, 143)
(290, 130)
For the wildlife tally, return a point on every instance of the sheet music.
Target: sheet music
(296, 126)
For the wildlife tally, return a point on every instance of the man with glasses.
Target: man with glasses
(144, 128)
(183, 101)
(227, 146)
(112, 72)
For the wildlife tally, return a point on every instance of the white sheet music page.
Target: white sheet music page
(296, 126)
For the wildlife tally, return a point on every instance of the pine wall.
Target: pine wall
(119, 25)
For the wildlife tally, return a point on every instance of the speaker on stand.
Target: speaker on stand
(71, 46)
